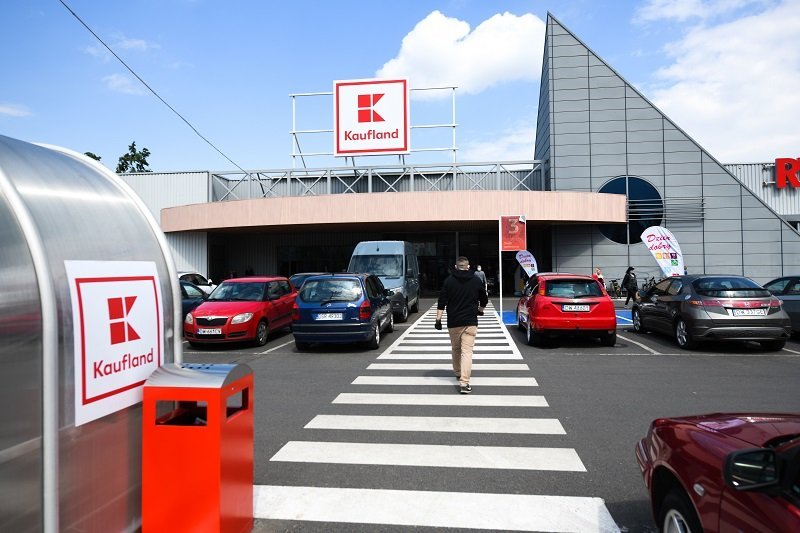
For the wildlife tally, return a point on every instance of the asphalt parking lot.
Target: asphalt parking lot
(604, 398)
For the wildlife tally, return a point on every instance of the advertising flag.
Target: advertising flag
(527, 262)
(665, 249)
(512, 233)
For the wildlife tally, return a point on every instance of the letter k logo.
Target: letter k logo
(118, 311)
(366, 113)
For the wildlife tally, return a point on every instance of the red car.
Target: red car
(242, 309)
(566, 304)
(723, 472)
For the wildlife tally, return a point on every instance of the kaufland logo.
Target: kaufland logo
(371, 117)
(120, 329)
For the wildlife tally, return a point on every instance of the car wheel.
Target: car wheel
(533, 338)
(520, 325)
(403, 316)
(678, 515)
(683, 337)
(375, 341)
(302, 346)
(609, 339)
(773, 346)
(636, 318)
(262, 332)
(415, 307)
(390, 325)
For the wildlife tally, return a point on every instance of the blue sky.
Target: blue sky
(727, 71)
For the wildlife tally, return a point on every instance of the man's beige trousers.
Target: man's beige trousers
(462, 341)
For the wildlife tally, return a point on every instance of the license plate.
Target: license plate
(329, 316)
(582, 308)
(209, 331)
(749, 312)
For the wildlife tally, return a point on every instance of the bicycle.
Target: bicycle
(614, 289)
(648, 283)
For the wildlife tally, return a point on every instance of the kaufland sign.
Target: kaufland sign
(370, 117)
(117, 332)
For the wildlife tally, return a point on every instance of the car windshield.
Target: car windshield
(330, 290)
(730, 287)
(381, 265)
(250, 291)
(572, 288)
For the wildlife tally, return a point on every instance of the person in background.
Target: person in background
(481, 275)
(631, 285)
(464, 297)
(598, 275)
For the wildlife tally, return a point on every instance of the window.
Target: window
(331, 290)
(284, 287)
(372, 291)
(645, 209)
(661, 287)
(778, 285)
(675, 288)
(728, 287)
(192, 292)
(571, 288)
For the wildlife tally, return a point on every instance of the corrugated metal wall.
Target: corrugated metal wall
(169, 189)
(190, 251)
(760, 178)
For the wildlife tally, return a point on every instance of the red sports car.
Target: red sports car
(566, 304)
(723, 472)
(242, 309)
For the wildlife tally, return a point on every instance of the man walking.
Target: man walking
(481, 275)
(464, 297)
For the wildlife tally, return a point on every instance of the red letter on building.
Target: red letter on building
(787, 169)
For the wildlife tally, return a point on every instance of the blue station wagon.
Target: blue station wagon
(341, 308)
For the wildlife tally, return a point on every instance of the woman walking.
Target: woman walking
(631, 285)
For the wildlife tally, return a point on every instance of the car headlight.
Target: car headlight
(396, 290)
(243, 317)
(189, 319)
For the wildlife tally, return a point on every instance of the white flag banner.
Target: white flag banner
(527, 262)
(665, 249)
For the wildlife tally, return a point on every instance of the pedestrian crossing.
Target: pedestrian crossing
(398, 415)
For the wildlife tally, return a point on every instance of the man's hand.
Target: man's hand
(438, 325)
(480, 311)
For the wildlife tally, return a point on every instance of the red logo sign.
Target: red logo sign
(119, 328)
(366, 103)
(512, 231)
(786, 170)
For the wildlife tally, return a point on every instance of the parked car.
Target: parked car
(298, 279)
(242, 309)
(197, 279)
(787, 290)
(711, 308)
(342, 308)
(723, 472)
(566, 304)
(191, 297)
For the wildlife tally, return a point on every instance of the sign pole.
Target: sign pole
(500, 264)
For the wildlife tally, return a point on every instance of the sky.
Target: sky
(726, 71)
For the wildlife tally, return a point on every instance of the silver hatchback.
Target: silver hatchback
(710, 308)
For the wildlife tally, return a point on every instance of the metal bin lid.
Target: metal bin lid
(197, 375)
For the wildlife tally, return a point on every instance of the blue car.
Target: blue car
(341, 308)
(191, 297)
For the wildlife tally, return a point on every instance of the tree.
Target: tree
(134, 161)
(92, 155)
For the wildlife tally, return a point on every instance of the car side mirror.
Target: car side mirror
(751, 469)
(409, 273)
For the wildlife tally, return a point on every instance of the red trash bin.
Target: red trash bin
(197, 452)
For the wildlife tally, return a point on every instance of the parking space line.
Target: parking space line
(652, 351)
(792, 351)
(275, 348)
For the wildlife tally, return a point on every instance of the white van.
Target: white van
(395, 263)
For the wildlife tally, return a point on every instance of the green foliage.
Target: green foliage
(92, 155)
(134, 161)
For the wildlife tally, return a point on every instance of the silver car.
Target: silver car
(787, 290)
(711, 308)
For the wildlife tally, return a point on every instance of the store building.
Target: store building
(607, 164)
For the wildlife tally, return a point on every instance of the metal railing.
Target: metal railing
(494, 176)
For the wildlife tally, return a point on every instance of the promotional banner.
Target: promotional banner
(527, 262)
(512, 233)
(664, 247)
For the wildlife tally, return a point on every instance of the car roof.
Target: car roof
(308, 274)
(256, 278)
(333, 275)
(561, 275)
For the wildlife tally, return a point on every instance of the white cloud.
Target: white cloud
(442, 51)
(14, 110)
(139, 45)
(123, 84)
(682, 10)
(733, 86)
(119, 42)
(514, 144)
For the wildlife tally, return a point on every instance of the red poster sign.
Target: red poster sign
(512, 234)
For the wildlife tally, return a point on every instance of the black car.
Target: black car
(298, 279)
(787, 290)
(712, 307)
(341, 308)
(191, 297)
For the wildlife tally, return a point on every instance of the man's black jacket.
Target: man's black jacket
(461, 293)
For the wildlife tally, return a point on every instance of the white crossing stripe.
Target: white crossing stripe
(444, 380)
(445, 366)
(473, 400)
(517, 512)
(439, 424)
(477, 349)
(447, 356)
(478, 342)
(434, 455)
